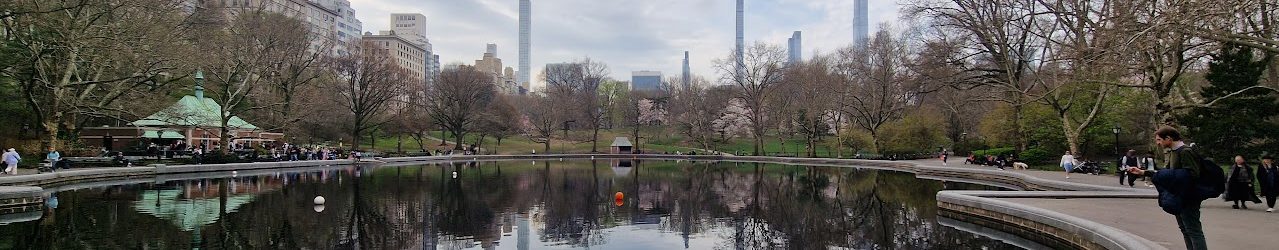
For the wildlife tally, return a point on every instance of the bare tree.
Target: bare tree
(80, 60)
(303, 65)
(242, 52)
(762, 67)
(814, 82)
(540, 118)
(999, 36)
(368, 84)
(457, 100)
(500, 120)
(695, 110)
(1081, 49)
(877, 79)
(578, 84)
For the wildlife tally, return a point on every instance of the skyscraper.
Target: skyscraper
(860, 26)
(741, 65)
(794, 48)
(646, 80)
(686, 80)
(412, 26)
(525, 27)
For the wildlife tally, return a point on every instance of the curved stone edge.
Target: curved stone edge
(1099, 235)
(1076, 232)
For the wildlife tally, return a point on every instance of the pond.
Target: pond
(509, 205)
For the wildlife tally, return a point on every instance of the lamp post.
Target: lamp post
(961, 141)
(1116, 130)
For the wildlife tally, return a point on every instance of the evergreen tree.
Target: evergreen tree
(1240, 125)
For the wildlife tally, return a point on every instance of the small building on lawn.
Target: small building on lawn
(193, 121)
(621, 145)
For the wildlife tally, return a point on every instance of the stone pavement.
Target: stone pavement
(1224, 228)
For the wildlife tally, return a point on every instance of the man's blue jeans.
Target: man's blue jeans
(1191, 228)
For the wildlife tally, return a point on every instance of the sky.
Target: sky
(626, 35)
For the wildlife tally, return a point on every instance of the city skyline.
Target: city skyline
(648, 35)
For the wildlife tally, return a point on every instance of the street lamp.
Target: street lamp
(1116, 130)
(961, 141)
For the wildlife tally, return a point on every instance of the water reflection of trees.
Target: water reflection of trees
(570, 203)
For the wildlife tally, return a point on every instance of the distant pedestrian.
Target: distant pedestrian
(1239, 187)
(11, 159)
(53, 157)
(1268, 177)
(1129, 160)
(943, 157)
(1068, 163)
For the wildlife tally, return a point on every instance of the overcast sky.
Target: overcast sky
(627, 35)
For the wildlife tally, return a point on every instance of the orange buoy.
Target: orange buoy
(617, 202)
(618, 196)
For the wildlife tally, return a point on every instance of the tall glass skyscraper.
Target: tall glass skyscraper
(686, 74)
(861, 27)
(794, 48)
(741, 65)
(525, 26)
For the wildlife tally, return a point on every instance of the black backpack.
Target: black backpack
(1212, 179)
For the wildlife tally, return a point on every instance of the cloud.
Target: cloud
(627, 35)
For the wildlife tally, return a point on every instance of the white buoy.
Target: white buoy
(319, 208)
(319, 200)
(454, 174)
(234, 173)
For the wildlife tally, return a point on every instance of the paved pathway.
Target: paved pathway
(1225, 228)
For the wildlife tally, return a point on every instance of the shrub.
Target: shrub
(994, 151)
(1035, 156)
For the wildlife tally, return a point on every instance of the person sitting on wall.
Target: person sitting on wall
(119, 160)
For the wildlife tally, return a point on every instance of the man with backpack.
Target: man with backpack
(1185, 181)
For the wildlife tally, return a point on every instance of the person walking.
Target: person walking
(1129, 160)
(11, 159)
(1239, 187)
(1068, 163)
(1268, 178)
(1178, 156)
(53, 157)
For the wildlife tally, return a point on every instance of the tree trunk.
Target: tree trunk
(1017, 130)
(499, 144)
(457, 138)
(399, 143)
(355, 137)
(595, 139)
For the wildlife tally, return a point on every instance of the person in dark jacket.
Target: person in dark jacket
(1128, 161)
(1179, 158)
(1239, 185)
(1268, 178)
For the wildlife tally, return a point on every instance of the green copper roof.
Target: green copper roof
(187, 214)
(195, 112)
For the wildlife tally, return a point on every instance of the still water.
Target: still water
(508, 205)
